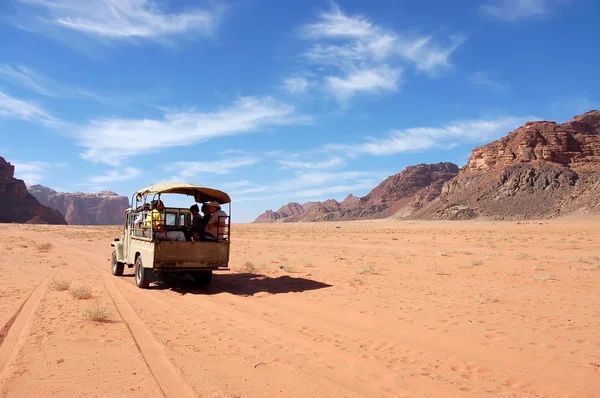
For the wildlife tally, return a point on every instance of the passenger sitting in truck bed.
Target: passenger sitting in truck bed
(199, 222)
(216, 224)
(154, 219)
(140, 218)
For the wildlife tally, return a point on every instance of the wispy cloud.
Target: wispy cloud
(311, 186)
(34, 172)
(369, 58)
(333, 162)
(487, 80)
(302, 181)
(225, 166)
(14, 108)
(295, 85)
(514, 10)
(112, 140)
(122, 19)
(423, 138)
(122, 174)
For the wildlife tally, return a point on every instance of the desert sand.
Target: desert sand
(369, 309)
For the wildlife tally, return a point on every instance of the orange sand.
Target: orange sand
(370, 309)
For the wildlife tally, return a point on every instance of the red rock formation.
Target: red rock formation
(17, 205)
(406, 191)
(101, 208)
(539, 170)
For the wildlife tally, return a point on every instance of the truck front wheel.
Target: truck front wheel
(116, 266)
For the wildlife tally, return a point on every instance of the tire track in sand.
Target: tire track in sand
(15, 330)
(168, 378)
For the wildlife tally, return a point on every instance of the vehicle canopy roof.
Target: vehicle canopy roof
(200, 194)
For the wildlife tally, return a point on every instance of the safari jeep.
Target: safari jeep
(146, 250)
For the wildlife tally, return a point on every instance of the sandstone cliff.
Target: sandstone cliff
(406, 192)
(542, 169)
(17, 205)
(78, 208)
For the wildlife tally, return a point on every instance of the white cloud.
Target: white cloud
(514, 10)
(368, 57)
(295, 85)
(422, 138)
(34, 172)
(367, 80)
(484, 79)
(14, 108)
(122, 19)
(225, 166)
(112, 140)
(313, 165)
(124, 174)
(313, 181)
(26, 77)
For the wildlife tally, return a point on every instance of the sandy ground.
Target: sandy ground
(370, 309)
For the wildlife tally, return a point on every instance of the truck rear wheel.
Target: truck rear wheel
(117, 267)
(142, 275)
(203, 277)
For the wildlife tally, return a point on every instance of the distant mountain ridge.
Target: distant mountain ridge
(406, 191)
(541, 169)
(79, 208)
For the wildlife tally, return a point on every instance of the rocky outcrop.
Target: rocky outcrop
(78, 208)
(17, 205)
(404, 192)
(542, 169)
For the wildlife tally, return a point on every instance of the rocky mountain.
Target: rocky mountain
(542, 169)
(78, 208)
(17, 205)
(405, 192)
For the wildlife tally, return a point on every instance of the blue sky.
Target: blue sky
(278, 101)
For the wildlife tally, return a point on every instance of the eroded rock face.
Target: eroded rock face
(78, 208)
(17, 205)
(541, 169)
(404, 192)
(573, 143)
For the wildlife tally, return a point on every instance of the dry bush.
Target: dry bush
(81, 292)
(524, 256)
(439, 270)
(44, 247)
(356, 282)
(288, 268)
(60, 285)
(366, 269)
(97, 313)
(249, 268)
(487, 297)
(547, 276)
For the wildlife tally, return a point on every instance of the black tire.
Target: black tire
(117, 267)
(203, 277)
(142, 275)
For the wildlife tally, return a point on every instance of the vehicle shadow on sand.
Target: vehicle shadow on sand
(239, 284)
